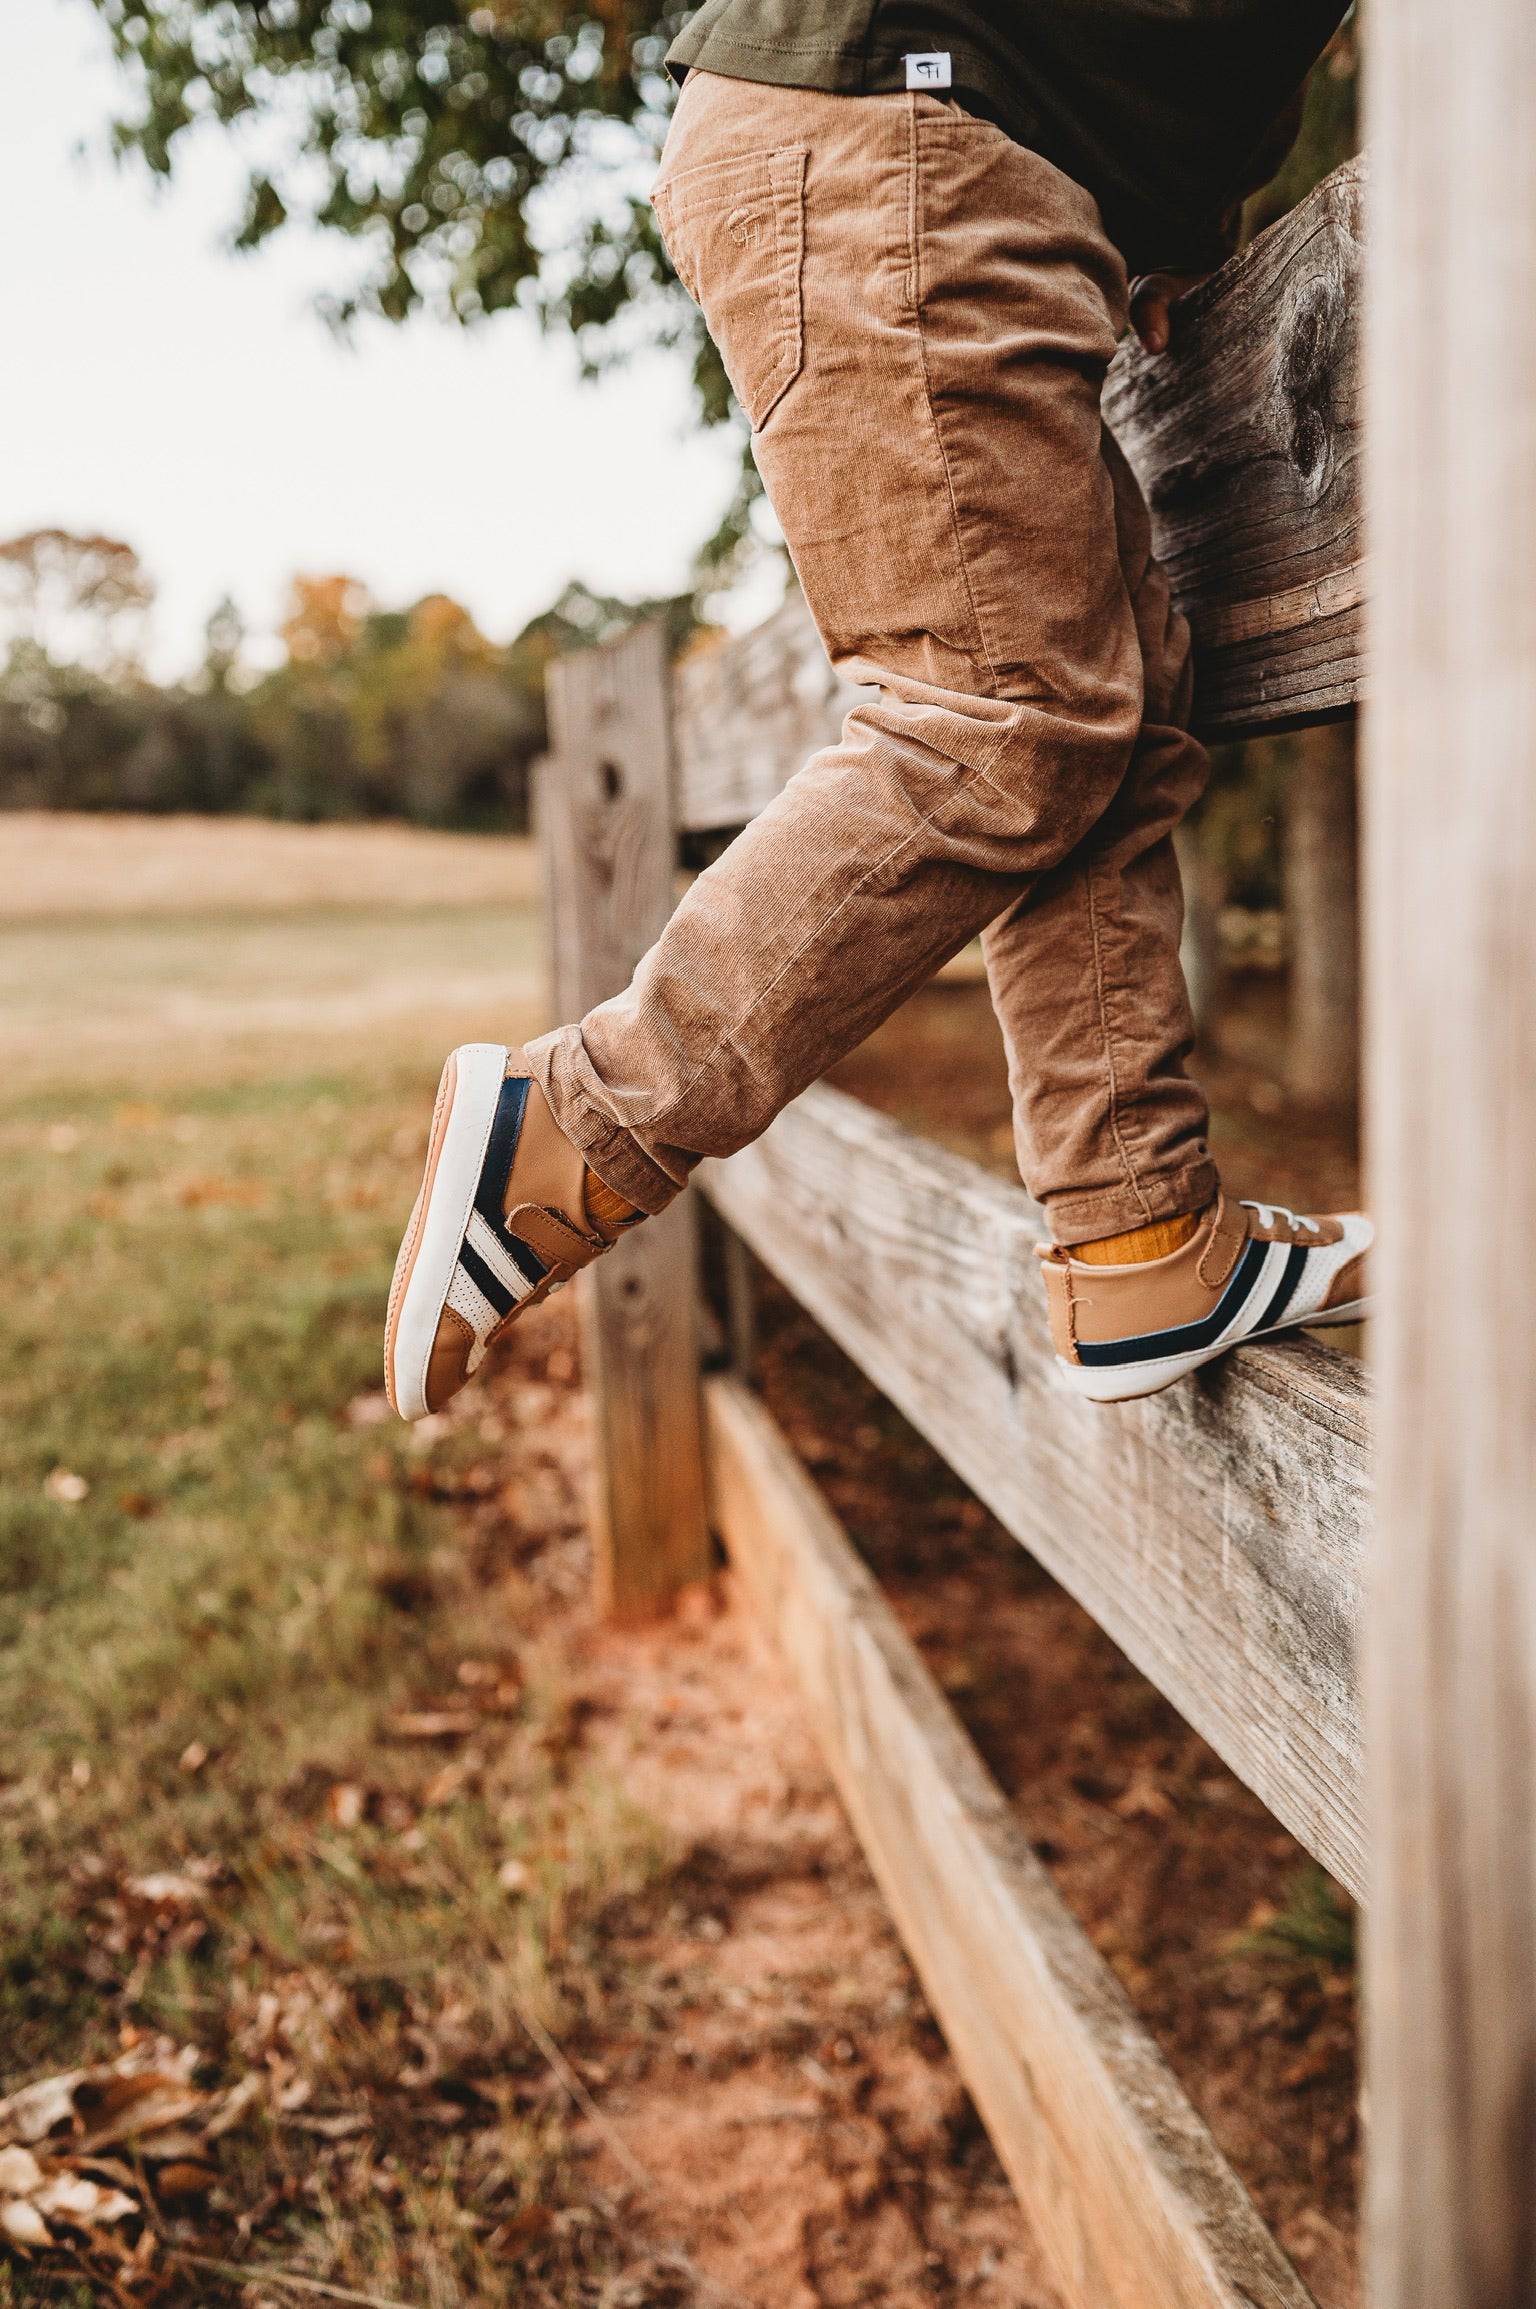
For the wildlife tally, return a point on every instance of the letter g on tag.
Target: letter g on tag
(931, 70)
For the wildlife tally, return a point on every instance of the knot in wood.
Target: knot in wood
(1310, 334)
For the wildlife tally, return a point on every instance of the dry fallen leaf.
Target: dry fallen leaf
(20, 2173)
(24, 2224)
(523, 2230)
(237, 2101)
(116, 2108)
(478, 1675)
(344, 1804)
(169, 2144)
(180, 2183)
(1143, 1799)
(84, 2204)
(431, 1724)
(342, 2127)
(1309, 2066)
(165, 1889)
(39, 2109)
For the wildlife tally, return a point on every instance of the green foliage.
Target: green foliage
(1329, 133)
(373, 713)
(1315, 1926)
(476, 157)
(424, 129)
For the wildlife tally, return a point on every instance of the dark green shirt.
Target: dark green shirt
(1167, 110)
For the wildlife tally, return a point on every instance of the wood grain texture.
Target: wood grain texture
(748, 712)
(1214, 1530)
(1246, 438)
(1130, 2197)
(1322, 918)
(606, 819)
(1450, 812)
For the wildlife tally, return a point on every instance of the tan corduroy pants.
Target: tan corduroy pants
(917, 314)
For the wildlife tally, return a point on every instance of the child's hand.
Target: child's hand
(1153, 297)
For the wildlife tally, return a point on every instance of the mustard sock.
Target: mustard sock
(605, 1207)
(1153, 1242)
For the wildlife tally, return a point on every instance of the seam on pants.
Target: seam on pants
(1185, 1186)
(1106, 1036)
(915, 286)
(822, 923)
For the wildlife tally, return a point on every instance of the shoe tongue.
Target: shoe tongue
(547, 1170)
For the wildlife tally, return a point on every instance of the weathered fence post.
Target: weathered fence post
(1323, 917)
(1450, 813)
(605, 814)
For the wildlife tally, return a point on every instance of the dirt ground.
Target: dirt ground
(769, 2109)
(1234, 1949)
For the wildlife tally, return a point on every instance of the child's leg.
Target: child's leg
(919, 314)
(1084, 966)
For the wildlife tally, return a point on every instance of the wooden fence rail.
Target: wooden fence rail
(1214, 1531)
(1217, 1532)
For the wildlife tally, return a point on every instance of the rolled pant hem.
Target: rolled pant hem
(614, 1153)
(1158, 1195)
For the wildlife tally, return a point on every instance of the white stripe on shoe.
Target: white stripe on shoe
(430, 1254)
(488, 1245)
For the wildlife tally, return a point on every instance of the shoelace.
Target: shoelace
(1271, 1213)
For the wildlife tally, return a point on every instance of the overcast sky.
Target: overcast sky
(190, 401)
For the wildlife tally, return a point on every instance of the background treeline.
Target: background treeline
(368, 712)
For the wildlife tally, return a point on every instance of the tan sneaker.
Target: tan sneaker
(1249, 1270)
(508, 1211)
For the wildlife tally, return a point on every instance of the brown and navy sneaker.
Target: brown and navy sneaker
(1249, 1270)
(508, 1211)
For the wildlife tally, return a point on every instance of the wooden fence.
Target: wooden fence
(1216, 1531)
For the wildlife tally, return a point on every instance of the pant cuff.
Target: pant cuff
(616, 1155)
(1115, 1211)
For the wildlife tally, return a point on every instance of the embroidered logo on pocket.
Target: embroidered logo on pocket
(748, 227)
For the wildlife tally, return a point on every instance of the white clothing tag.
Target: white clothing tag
(931, 71)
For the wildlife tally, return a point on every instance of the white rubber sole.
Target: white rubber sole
(1128, 1382)
(430, 1252)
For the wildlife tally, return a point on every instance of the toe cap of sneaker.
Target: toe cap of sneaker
(1352, 1280)
(448, 1365)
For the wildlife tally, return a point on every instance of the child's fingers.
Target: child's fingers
(1153, 297)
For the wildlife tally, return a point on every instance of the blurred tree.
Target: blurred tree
(223, 643)
(434, 719)
(76, 600)
(476, 156)
(425, 130)
(325, 616)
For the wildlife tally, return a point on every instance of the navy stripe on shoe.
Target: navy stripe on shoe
(485, 1279)
(1285, 1289)
(1185, 1338)
(491, 1193)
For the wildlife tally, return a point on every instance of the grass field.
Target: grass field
(142, 955)
(236, 1623)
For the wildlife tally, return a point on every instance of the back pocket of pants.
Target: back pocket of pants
(735, 230)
